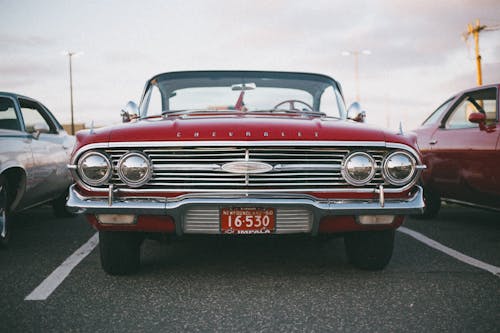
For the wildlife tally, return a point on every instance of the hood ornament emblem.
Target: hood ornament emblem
(246, 167)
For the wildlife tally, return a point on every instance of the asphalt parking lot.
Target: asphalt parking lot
(256, 283)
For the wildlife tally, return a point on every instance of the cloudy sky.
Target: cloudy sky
(418, 57)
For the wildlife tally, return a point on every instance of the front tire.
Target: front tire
(4, 213)
(59, 206)
(432, 204)
(120, 252)
(370, 250)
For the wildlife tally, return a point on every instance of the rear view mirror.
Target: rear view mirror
(243, 87)
(130, 112)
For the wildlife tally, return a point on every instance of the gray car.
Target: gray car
(34, 153)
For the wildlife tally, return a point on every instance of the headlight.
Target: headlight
(134, 169)
(94, 168)
(399, 168)
(358, 168)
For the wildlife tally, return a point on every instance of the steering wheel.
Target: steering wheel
(291, 103)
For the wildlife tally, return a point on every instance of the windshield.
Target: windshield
(436, 115)
(242, 92)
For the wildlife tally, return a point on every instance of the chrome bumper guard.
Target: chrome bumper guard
(176, 207)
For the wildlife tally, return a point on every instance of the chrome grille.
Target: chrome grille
(295, 169)
(288, 220)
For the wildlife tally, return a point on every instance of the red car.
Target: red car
(460, 144)
(244, 152)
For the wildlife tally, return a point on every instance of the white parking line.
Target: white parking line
(52, 281)
(47, 287)
(455, 254)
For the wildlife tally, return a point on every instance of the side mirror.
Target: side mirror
(478, 118)
(40, 128)
(354, 112)
(130, 112)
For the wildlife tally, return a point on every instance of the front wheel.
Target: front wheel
(120, 251)
(432, 204)
(59, 206)
(371, 250)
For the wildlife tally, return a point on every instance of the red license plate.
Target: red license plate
(247, 220)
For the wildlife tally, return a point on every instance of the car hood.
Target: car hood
(239, 128)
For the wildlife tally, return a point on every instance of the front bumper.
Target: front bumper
(178, 206)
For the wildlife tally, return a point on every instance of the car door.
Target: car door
(50, 148)
(464, 157)
(15, 148)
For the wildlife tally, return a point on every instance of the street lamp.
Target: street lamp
(70, 55)
(356, 54)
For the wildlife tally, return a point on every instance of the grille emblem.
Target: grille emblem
(246, 167)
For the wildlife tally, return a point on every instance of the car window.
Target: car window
(329, 102)
(8, 116)
(483, 101)
(33, 113)
(436, 115)
(223, 98)
(154, 102)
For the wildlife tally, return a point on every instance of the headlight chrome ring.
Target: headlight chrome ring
(134, 169)
(94, 168)
(399, 168)
(358, 168)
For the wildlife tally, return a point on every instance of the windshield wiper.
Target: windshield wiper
(187, 111)
(306, 112)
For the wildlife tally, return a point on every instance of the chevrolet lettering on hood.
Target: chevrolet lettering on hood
(239, 153)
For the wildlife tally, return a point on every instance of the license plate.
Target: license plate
(247, 220)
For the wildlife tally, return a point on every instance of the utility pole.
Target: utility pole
(474, 30)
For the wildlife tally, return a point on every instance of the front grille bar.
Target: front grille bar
(200, 169)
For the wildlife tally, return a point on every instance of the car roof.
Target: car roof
(237, 73)
(486, 86)
(14, 95)
(247, 72)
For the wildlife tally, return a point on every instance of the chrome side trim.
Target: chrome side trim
(465, 203)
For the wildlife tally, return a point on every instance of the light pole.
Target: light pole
(356, 54)
(70, 54)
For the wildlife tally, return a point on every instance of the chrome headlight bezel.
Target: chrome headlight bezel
(346, 172)
(83, 176)
(121, 172)
(399, 181)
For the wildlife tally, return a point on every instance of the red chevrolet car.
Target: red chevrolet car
(244, 152)
(460, 144)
